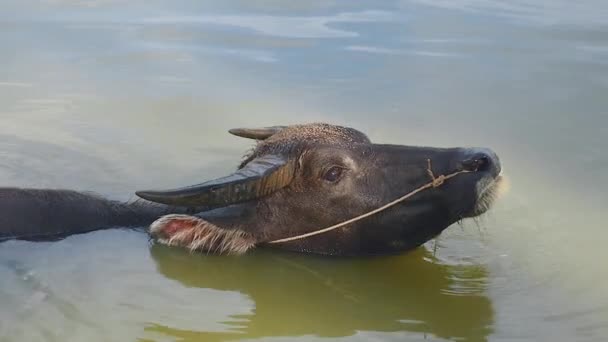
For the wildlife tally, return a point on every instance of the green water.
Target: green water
(115, 96)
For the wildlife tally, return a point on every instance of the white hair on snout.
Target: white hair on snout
(201, 235)
(488, 190)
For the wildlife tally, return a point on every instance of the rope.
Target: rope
(436, 181)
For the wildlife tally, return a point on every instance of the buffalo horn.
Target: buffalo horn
(256, 133)
(260, 177)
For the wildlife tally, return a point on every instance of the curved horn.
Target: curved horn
(256, 133)
(260, 177)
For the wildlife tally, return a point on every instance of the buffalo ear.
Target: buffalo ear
(198, 234)
(260, 177)
(261, 133)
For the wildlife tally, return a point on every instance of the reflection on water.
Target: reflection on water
(113, 285)
(412, 293)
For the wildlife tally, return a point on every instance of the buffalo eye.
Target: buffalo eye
(333, 174)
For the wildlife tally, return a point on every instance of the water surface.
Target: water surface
(114, 96)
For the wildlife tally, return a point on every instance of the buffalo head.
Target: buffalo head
(303, 178)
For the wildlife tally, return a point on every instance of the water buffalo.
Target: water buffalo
(298, 179)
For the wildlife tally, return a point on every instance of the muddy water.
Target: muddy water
(114, 96)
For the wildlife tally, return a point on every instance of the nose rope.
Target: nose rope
(436, 181)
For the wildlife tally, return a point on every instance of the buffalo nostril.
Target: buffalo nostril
(483, 164)
(479, 162)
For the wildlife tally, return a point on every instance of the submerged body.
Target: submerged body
(297, 180)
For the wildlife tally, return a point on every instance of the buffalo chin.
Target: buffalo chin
(488, 190)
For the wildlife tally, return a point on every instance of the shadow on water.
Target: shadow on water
(297, 295)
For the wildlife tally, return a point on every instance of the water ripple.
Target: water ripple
(283, 26)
